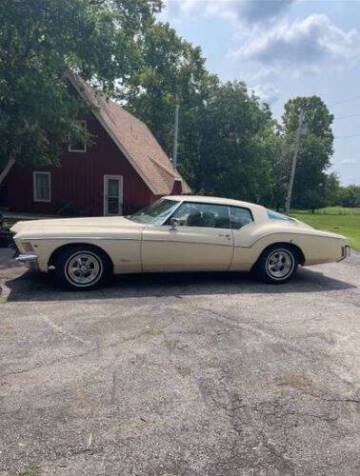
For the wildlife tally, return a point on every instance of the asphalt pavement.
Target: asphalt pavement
(181, 375)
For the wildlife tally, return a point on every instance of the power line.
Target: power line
(355, 98)
(345, 117)
(347, 137)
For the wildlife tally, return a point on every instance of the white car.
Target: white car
(177, 233)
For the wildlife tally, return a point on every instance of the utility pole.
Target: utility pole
(176, 133)
(294, 161)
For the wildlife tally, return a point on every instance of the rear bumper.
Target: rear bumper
(30, 259)
(345, 252)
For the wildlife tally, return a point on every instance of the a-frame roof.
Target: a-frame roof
(134, 139)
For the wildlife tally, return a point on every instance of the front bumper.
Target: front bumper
(30, 259)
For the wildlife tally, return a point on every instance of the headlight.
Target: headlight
(27, 246)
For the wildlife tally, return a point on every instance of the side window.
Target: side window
(240, 217)
(203, 215)
(278, 216)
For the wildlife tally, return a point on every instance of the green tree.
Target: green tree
(173, 71)
(332, 189)
(316, 149)
(227, 139)
(39, 41)
(237, 146)
(350, 196)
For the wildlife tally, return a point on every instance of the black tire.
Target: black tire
(92, 270)
(277, 264)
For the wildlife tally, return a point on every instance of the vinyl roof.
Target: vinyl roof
(214, 200)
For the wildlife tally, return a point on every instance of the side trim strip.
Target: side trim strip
(116, 238)
(224, 245)
(111, 238)
(288, 233)
(130, 239)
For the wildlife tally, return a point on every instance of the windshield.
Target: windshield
(156, 213)
(278, 216)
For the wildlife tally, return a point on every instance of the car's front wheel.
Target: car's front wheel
(82, 267)
(277, 264)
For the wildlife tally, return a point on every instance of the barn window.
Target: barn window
(42, 186)
(76, 145)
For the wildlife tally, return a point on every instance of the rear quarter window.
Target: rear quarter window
(278, 216)
(240, 217)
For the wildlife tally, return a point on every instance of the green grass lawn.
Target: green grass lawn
(345, 221)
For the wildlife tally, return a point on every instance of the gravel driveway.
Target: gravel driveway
(208, 374)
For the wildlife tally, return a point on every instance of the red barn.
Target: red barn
(125, 169)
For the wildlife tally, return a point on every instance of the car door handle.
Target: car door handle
(225, 235)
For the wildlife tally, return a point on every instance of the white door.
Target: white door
(113, 195)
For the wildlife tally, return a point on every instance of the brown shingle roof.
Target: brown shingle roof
(134, 139)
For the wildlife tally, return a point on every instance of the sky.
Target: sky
(283, 49)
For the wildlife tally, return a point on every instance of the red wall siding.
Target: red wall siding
(79, 180)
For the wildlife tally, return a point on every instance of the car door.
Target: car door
(201, 241)
(242, 222)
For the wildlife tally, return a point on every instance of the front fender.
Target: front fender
(124, 252)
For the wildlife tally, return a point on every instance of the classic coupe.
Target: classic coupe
(176, 233)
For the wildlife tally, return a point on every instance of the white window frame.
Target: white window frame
(78, 151)
(36, 199)
(120, 178)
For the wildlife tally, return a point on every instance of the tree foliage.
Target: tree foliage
(226, 140)
(234, 153)
(349, 196)
(39, 41)
(316, 149)
(172, 71)
(229, 143)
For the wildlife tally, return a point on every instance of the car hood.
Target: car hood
(79, 225)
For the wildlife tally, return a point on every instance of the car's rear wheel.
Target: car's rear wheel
(277, 264)
(82, 267)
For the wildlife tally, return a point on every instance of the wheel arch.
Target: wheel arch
(286, 244)
(57, 251)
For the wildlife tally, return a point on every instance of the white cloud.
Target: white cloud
(266, 92)
(307, 44)
(178, 6)
(251, 11)
(260, 10)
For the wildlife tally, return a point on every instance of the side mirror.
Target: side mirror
(174, 222)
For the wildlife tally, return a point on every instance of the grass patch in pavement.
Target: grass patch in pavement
(33, 471)
(183, 370)
(155, 331)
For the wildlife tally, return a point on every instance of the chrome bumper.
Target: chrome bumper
(345, 253)
(29, 259)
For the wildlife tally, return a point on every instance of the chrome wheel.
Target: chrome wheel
(280, 264)
(83, 269)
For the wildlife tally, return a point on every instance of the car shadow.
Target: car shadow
(41, 287)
